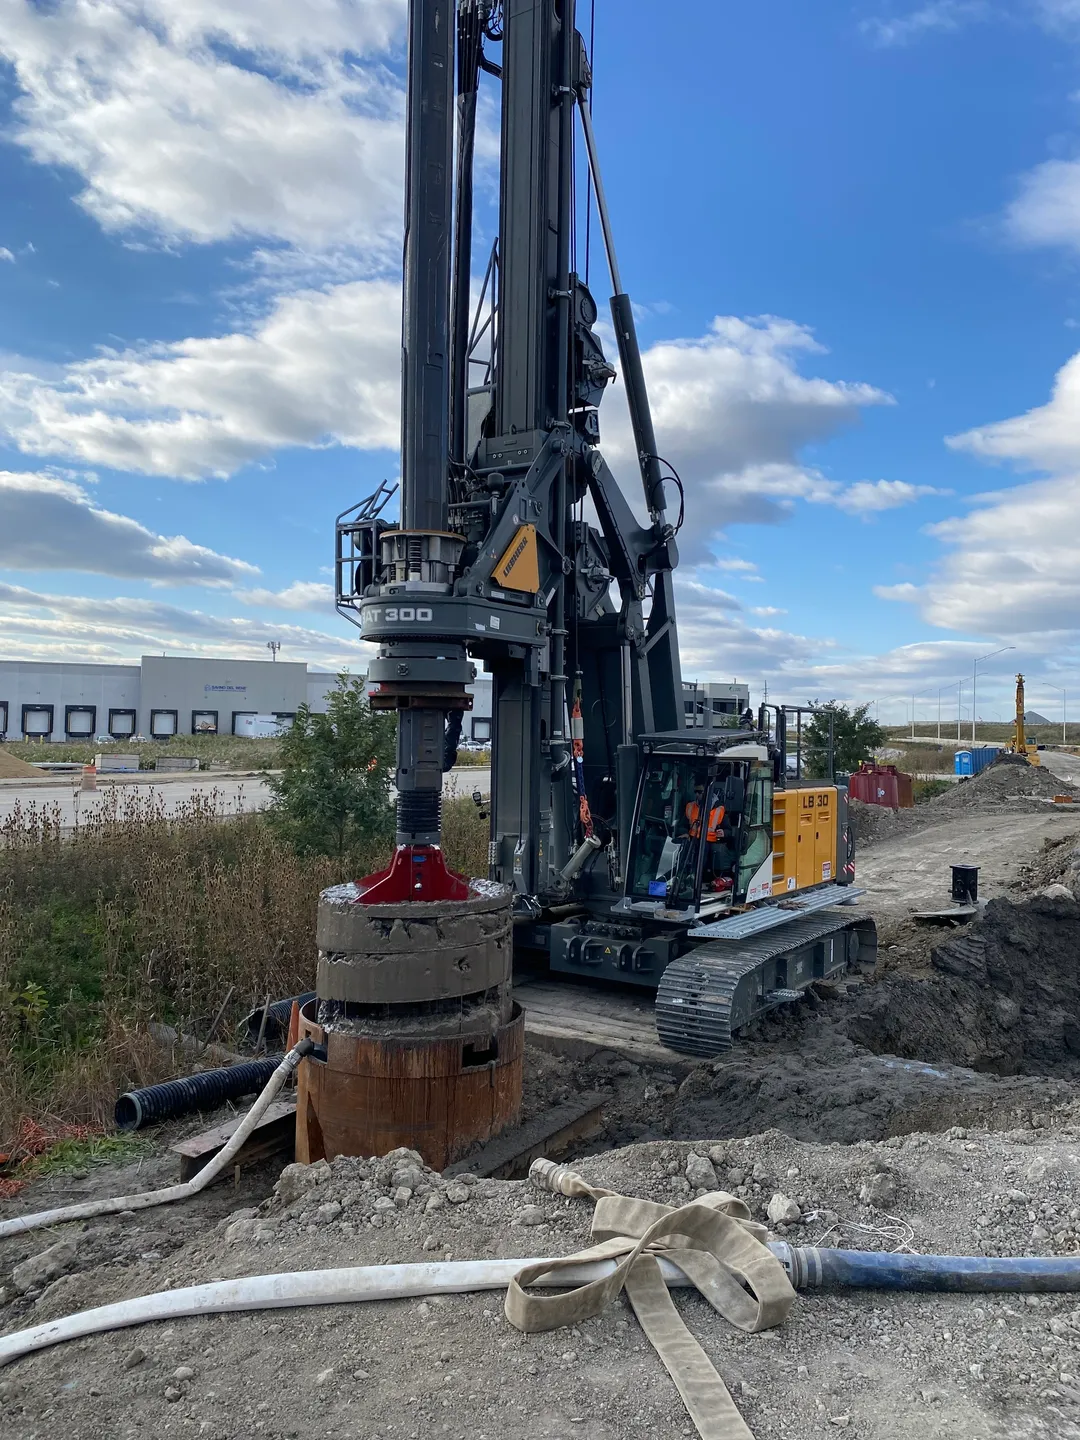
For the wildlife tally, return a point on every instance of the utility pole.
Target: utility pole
(273, 646)
(974, 671)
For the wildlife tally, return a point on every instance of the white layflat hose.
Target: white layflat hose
(304, 1287)
(147, 1198)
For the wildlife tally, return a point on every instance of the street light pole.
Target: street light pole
(924, 691)
(1064, 699)
(959, 699)
(974, 672)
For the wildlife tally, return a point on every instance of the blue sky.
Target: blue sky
(851, 229)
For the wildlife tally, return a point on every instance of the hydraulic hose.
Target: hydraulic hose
(148, 1198)
(194, 1092)
(814, 1269)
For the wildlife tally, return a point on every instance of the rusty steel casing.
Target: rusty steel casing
(424, 1046)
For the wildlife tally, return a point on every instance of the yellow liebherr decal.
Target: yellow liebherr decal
(519, 568)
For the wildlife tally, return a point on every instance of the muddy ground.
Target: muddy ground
(953, 1076)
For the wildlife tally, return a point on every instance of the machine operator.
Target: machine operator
(719, 855)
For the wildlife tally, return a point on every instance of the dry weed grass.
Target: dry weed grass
(139, 915)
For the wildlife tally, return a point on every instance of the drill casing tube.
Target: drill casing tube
(423, 1044)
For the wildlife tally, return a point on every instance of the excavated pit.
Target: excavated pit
(990, 1036)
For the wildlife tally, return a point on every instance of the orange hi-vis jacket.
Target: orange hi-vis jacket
(716, 820)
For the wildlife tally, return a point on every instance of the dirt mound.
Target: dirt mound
(1057, 863)
(1003, 783)
(12, 768)
(874, 823)
(987, 1034)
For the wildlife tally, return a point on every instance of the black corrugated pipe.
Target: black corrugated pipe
(277, 1017)
(195, 1092)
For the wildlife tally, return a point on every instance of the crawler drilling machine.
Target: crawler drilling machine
(636, 850)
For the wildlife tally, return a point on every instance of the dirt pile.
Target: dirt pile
(880, 1366)
(12, 768)
(1009, 779)
(1057, 863)
(1005, 996)
(1010, 786)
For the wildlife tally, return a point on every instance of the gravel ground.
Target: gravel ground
(878, 1366)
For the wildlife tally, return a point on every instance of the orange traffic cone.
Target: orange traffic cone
(294, 1027)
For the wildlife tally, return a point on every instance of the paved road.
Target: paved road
(235, 793)
(1065, 766)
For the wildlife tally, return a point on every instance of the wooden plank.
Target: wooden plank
(275, 1134)
(509, 1155)
(571, 1020)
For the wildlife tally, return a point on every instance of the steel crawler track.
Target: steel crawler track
(715, 989)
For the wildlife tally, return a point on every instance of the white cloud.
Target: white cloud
(1046, 211)
(936, 17)
(312, 595)
(321, 369)
(1058, 14)
(869, 496)
(733, 413)
(734, 397)
(5, 254)
(51, 523)
(206, 122)
(36, 625)
(1012, 565)
(1045, 438)
(735, 563)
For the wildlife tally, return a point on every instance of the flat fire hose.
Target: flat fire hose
(716, 1245)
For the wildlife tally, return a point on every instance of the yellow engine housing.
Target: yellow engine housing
(804, 838)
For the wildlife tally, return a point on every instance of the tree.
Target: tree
(855, 738)
(333, 793)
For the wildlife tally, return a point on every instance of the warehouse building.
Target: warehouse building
(168, 695)
(714, 704)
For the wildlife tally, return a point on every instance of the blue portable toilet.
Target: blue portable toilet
(964, 763)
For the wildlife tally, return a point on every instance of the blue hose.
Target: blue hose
(811, 1268)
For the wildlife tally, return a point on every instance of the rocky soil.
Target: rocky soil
(874, 1365)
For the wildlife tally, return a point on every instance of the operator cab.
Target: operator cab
(702, 829)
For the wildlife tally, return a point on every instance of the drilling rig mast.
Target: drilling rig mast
(493, 559)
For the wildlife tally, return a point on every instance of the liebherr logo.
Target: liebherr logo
(514, 556)
(399, 614)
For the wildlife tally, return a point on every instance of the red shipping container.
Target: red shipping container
(882, 785)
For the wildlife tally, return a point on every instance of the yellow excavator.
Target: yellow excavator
(1022, 743)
